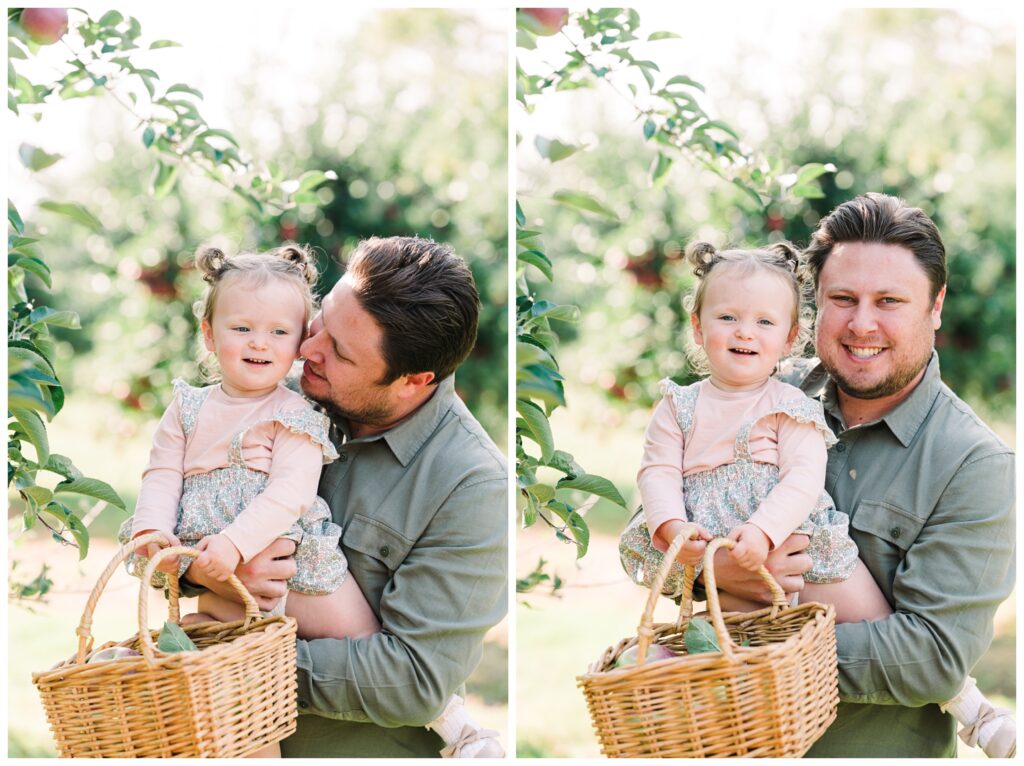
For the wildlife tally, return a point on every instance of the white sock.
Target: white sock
(966, 706)
(452, 721)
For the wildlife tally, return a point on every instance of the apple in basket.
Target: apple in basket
(113, 653)
(655, 652)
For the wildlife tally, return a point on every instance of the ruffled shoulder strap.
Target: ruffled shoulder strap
(309, 422)
(190, 398)
(801, 408)
(684, 398)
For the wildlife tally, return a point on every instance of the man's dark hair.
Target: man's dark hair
(424, 299)
(887, 220)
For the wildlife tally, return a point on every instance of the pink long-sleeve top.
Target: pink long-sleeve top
(292, 461)
(798, 449)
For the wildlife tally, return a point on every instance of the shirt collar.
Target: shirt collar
(905, 418)
(407, 437)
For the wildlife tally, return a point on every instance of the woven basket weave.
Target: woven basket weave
(234, 696)
(772, 698)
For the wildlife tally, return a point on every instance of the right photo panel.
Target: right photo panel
(765, 382)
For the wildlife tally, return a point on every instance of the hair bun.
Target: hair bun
(301, 256)
(788, 253)
(701, 255)
(210, 260)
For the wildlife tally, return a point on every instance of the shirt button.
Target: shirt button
(343, 457)
(841, 447)
(384, 551)
(895, 532)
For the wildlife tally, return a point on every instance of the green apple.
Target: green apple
(655, 652)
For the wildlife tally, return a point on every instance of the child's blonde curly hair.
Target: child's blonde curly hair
(781, 259)
(291, 262)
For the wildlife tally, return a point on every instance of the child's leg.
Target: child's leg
(215, 608)
(463, 736)
(344, 613)
(272, 750)
(856, 598)
(984, 724)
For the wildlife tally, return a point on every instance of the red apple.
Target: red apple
(544, 21)
(655, 652)
(45, 25)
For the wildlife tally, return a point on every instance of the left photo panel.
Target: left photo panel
(258, 343)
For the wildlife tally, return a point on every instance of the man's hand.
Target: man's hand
(218, 556)
(751, 548)
(787, 564)
(169, 564)
(692, 550)
(265, 576)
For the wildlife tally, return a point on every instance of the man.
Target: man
(420, 492)
(927, 486)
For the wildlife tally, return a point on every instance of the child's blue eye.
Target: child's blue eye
(727, 317)
(767, 322)
(240, 329)
(280, 332)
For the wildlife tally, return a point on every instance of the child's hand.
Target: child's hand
(218, 558)
(692, 550)
(752, 546)
(169, 564)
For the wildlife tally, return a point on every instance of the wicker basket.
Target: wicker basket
(233, 697)
(772, 698)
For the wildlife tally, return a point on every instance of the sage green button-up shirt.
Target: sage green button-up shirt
(424, 511)
(929, 492)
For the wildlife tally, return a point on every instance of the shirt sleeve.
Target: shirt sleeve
(660, 478)
(803, 459)
(160, 492)
(295, 466)
(946, 592)
(444, 596)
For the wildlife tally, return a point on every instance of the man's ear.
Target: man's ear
(415, 383)
(937, 309)
(208, 337)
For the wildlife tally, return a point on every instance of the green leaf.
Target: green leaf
(164, 44)
(538, 382)
(554, 150)
(33, 266)
(538, 427)
(574, 523)
(520, 216)
(537, 259)
(40, 496)
(543, 492)
(700, 637)
(812, 170)
(173, 639)
(660, 166)
(90, 488)
(46, 315)
(649, 128)
(163, 179)
(75, 212)
(528, 353)
(663, 36)
(583, 202)
(594, 485)
(62, 465)
(24, 393)
(34, 158)
(147, 136)
(681, 79)
(313, 178)
(181, 87)
(110, 19)
(20, 358)
(217, 133)
(35, 432)
(14, 219)
(548, 310)
(566, 463)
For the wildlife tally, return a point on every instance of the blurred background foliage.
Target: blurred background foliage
(412, 119)
(917, 103)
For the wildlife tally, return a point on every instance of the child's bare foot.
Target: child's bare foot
(198, 617)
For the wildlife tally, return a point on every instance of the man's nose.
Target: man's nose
(308, 346)
(863, 320)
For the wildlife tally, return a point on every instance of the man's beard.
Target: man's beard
(372, 414)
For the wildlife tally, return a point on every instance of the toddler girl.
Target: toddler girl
(743, 455)
(236, 465)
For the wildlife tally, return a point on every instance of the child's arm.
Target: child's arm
(661, 484)
(802, 461)
(291, 489)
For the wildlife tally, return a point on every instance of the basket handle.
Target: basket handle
(779, 600)
(85, 639)
(645, 631)
(252, 609)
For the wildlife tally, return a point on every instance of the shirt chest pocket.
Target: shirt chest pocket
(374, 549)
(883, 532)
